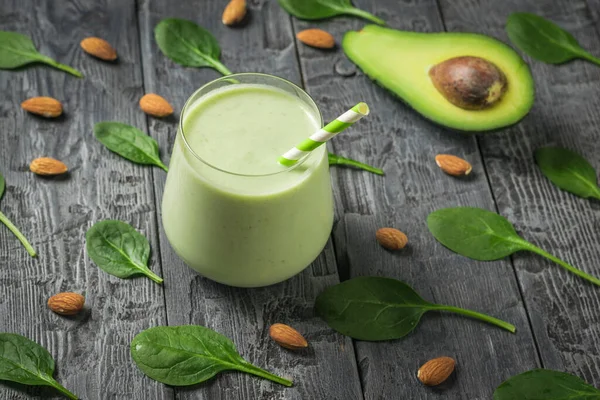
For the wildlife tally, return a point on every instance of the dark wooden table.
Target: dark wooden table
(557, 314)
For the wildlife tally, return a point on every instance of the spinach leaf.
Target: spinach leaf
(189, 44)
(319, 9)
(4, 219)
(544, 40)
(545, 384)
(190, 354)
(17, 50)
(26, 362)
(129, 142)
(375, 308)
(483, 235)
(117, 248)
(569, 171)
(339, 160)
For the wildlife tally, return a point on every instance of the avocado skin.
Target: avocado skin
(400, 62)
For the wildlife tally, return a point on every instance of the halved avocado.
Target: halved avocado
(464, 81)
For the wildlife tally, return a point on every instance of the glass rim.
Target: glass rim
(232, 77)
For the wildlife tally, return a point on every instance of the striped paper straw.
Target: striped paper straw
(342, 122)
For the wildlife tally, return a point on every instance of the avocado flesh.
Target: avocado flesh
(400, 61)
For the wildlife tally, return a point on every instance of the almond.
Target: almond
(235, 12)
(44, 106)
(391, 239)
(287, 337)
(453, 165)
(66, 303)
(99, 48)
(316, 38)
(436, 371)
(155, 105)
(47, 166)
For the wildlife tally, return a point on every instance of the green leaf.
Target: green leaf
(26, 362)
(4, 219)
(569, 171)
(129, 142)
(189, 44)
(475, 233)
(545, 384)
(189, 354)
(17, 50)
(339, 160)
(483, 235)
(374, 308)
(544, 40)
(117, 248)
(319, 9)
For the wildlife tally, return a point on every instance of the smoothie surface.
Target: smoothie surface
(244, 128)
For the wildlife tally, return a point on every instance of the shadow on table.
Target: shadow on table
(44, 392)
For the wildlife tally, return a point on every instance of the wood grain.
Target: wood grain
(92, 349)
(562, 307)
(404, 144)
(327, 370)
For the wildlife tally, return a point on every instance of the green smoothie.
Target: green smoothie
(229, 209)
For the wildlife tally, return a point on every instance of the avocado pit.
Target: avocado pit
(471, 83)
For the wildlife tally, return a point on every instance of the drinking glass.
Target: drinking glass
(247, 230)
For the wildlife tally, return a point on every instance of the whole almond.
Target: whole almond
(453, 165)
(287, 337)
(155, 105)
(47, 166)
(235, 12)
(436, 371)
(316, 38)
(45, 106)
(99, 48)
(66, 303)
(391, 239)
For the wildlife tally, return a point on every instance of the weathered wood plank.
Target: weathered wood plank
(563, 308)
(593, 7)
(404, 144)
(91, 350)
(327, 370)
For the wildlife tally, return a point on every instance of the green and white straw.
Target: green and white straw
(342, 122)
